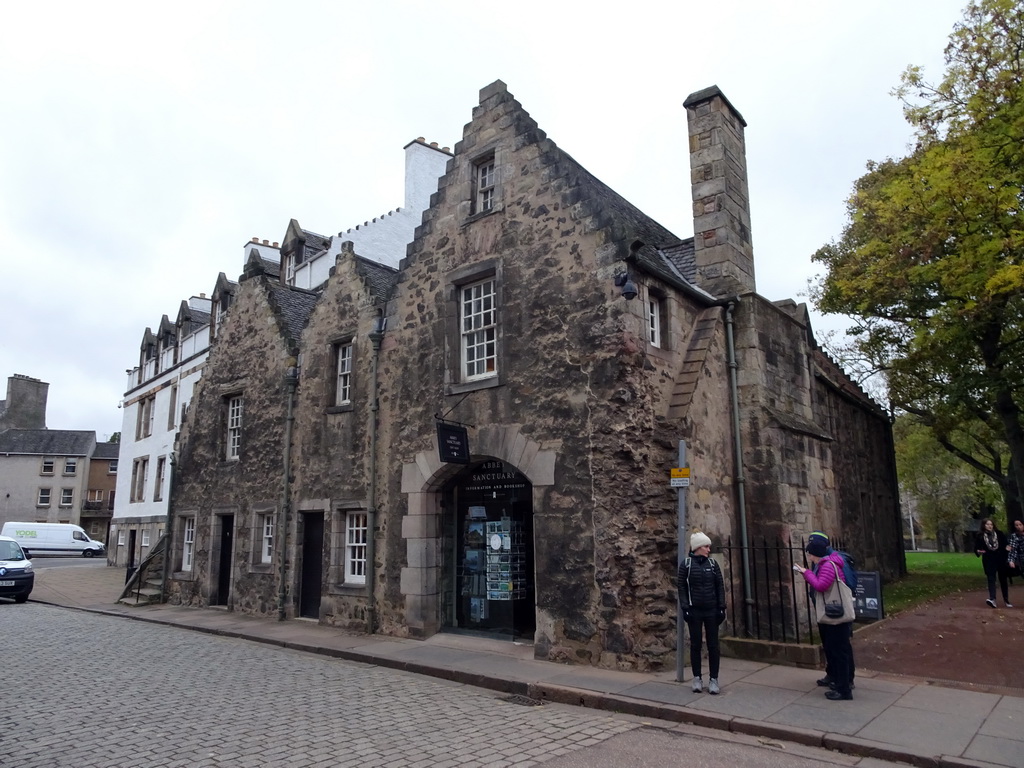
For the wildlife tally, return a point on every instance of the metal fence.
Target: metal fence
(779, 608)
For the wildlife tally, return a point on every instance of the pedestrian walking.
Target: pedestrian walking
(702, 606)
(835, 638)
(990, 545)
(1015, 550)
(828, 681)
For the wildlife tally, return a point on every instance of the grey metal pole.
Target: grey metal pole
(681, 547)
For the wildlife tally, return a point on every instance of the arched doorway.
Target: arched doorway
(488, 576)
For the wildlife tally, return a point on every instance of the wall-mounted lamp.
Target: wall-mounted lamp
(623, 281)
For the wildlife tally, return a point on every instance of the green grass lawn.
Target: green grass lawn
(933, 574)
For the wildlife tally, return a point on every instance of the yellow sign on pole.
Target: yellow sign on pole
(679, 477)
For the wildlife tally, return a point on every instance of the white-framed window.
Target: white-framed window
(67, 497)
(43, 497)
(158, 486)
(145, 537)
(188, 543)
(343, 373)
(483, 181)
(140, 473)
(112, 467)
(144, 418)
(479, 325)
(47, 468)
(120, 538)
(70, 465)
(233, 442)
(654, 320)
(266, 538)
(96, 495)
(172, 408)
(355, 548)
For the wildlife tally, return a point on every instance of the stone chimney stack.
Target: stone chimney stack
(721, 202)
(25, 406)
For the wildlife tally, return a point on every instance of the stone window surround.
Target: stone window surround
(181, 518)
(422, 481)
(256, 563)
(664, 319)
(330, 397)
(468, 183)
(456, 280)
(340, 509)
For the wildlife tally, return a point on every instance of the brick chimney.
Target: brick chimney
(25, 406)
(721, 202)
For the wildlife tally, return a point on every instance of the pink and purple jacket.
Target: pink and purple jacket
(826, 574)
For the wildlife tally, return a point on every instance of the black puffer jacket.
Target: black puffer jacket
(700, 584)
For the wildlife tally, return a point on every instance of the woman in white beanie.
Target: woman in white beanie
(702, 607)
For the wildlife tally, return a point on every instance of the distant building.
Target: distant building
(44, 473)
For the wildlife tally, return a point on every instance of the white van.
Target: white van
(53, 539)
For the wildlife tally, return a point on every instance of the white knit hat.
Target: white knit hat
(699, 540)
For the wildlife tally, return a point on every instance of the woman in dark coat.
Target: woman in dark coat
(702, 606)
(990, 546)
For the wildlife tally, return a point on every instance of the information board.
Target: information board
(867, 598)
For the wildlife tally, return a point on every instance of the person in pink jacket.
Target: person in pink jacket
(835, 638)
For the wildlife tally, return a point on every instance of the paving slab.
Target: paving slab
(993, 749)
(754, 702)
(923, 730)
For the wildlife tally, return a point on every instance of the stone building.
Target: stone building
(322, 469)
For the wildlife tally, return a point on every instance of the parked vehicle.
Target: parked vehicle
(53, 539)
(16, 575)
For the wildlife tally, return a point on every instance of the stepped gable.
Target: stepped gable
(48, 442)
(604, 207)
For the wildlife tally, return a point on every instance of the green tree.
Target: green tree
(931, 261)
(115, 438)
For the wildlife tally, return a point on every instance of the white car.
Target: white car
(16, 574)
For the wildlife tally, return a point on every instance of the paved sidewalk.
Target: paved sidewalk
(890, 718)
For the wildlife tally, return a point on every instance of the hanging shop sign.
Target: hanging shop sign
(452, 443)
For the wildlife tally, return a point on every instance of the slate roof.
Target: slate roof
(294, 307)
(313, 244)
(379, 277)
(47, 442)
(683, 259)
(106, 451)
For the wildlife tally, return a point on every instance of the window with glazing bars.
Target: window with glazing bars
(479, 330)
(355, 548)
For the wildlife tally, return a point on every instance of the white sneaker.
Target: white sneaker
(1009, 605)
(713, 686)
(990, 603)
(698, 684)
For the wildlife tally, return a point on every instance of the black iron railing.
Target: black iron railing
(780, 608)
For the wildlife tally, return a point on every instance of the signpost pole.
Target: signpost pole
(681, 545)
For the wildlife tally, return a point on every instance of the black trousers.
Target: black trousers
(706, 624)
(835, 638)
(994, 569)
(828, 669)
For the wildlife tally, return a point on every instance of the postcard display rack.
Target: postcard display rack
(495, 564)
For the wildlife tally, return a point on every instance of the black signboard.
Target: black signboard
(452, 443)
(867, 598)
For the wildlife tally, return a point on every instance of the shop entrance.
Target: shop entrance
(488, 545)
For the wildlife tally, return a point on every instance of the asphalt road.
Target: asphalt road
(83, 690)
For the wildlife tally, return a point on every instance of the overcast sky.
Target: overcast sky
(142, 144)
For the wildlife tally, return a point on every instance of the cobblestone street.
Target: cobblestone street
(88, 690)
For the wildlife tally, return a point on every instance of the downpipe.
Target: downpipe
(741, 498)
(291, 382)
(376, 337)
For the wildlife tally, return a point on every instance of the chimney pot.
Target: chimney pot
(255, 240)
(275, 244)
